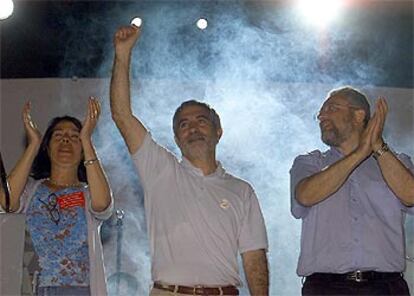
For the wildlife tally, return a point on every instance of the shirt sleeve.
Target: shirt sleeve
(407, 162)
(27, 194)
(253, 234)
(303, 166)
(150, 160)
(103, 215)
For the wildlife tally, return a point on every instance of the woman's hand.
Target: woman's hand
(34, 137)
(101, 195)
(91, 119)
(18, 176)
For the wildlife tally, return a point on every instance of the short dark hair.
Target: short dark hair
(41, 165)
(215, 119)
(356, 98)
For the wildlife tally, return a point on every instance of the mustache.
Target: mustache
(323, 124)
(196, 137)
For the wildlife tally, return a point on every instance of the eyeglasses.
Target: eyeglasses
(332, 108)
(51, 207)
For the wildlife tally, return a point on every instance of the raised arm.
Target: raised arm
(100, 192)
(257, 272)
(396, 175)
(132, 130)
(18, 176)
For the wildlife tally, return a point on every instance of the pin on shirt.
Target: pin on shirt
(75, 199)
(224, 204)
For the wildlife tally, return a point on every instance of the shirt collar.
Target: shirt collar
(219, 172)
(335, 152)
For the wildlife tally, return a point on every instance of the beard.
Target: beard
(198, 147)
(333, 137)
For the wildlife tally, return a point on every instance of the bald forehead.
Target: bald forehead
(336, 99)
(194, 110)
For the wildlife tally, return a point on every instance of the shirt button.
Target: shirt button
(356, 240)
(354, 200)
(355, 219)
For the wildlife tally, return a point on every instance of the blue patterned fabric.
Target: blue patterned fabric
(59, 238)
(63, 291)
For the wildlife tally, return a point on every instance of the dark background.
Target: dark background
(73, 38)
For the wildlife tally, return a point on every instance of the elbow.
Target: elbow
(301, 198)
(303, 201)
(304, 194)
(410, 201)
(100, 207)
(407, 196)
(411, 196)
(116, 117)
(14, 203)
(103, 204)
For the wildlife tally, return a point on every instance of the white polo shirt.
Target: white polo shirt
(197, 224)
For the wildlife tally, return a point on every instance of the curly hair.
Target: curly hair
(41, 165)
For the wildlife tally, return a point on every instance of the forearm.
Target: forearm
(120, 89)
(132, 130)
(318, 187)
(397, 177)
(99, 189)
(18, 177)
(257, 272)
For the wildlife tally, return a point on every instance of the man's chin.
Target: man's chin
(330, 141)
(196, 141)
(196, 150)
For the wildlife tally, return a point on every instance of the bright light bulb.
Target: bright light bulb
(320, 12)
(202, 24)
(6, 9)
(136, 21)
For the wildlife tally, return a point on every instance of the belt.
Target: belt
(198, 290)
(356, 276)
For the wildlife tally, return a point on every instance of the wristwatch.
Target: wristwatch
(384, 148)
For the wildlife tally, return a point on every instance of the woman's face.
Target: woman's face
(65, 148)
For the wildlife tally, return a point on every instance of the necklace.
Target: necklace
(77, 184)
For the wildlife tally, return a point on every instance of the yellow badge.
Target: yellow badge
(224, 204)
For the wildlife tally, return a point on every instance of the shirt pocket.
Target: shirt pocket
(381, 200)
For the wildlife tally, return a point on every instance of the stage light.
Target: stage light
(320, 12)
(202, 23)
(6, 9)
(136, 21)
